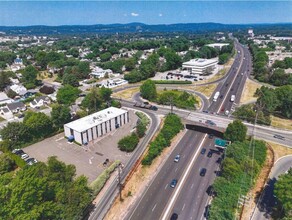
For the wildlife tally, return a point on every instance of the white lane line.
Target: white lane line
(154, 207)
(230, 86)
(175, 170)
(192, 186)
(183, 206)
(166, 186)
(180, 185)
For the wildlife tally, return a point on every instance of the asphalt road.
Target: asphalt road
(104, 204)
(159, 192)
(190, 199)
(266, 202)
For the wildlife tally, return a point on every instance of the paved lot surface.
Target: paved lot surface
(87, 159)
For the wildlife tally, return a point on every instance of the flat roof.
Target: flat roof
(217, 45)
(95, 119)
(200, 62)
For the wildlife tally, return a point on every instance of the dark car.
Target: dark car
(209, 154)
(203, 151)
(19, 152)
(210, 190)
(221, 96)
(211, 136)
(82, 95)
(279, 136)
(206, 213)
(173, 183)
(203, 172)
(21, 116)
(174, 216)
(219, 160)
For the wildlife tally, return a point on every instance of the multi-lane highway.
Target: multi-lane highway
(189, 199)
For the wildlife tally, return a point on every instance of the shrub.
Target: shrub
(140, 129)
(19, 162)
(172, 126)
(128, 143)
(47, 90)
(100, 181)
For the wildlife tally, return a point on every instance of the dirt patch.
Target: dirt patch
(281, 123)
(138, 183)
(249, 90)
(259, 185)
(280, 150)
(126, 94)
(207, 90)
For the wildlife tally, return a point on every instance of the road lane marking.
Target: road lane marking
(175, 170)
(180, 185)
(166, 186)
(154, 207)
(192, 186)
(183, 206)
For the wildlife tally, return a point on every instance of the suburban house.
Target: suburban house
(19, 89)
(98, 72)
(16, 107)
(4, 99)
(40, 101)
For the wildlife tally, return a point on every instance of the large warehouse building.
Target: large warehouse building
(200, 66)
(95, 125)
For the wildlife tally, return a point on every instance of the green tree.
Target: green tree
(60, 115)
(173, 61)
(29, 75)
(92, 101)
(4, 80)
(105, 56)
(223, 58)
(235, 131)
(6, 164)
(67, 95)
(130, 64)
(39, 124)
(148, 90)
(128, 143)
(70, 79)
(283, 192)
(105, 94)
(16, 133)
(267, 99)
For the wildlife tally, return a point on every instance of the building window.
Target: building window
(121, 119)
(124, 118)
(105, 123)
(96, 131)
(128, 116)
(71, 131)
(82, 138)
(116, 120)
(87, 136)
(101, 129)
(110, 125)
(92, 133)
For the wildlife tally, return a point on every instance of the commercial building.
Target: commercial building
(200, 66)
(217, 45)
(96, 125)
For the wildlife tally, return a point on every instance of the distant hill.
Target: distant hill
(136, 28)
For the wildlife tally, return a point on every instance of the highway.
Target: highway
(190, 198)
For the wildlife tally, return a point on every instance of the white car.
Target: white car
(24, 156)
(177, 157)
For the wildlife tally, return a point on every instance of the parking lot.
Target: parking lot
(87, 159)
(182, 75)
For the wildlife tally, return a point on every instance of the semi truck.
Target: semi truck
(216, 96)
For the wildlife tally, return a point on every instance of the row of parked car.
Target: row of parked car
(25, 156)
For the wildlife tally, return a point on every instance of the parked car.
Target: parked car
(31, 161)
(209, 154)
(24, 156)
(203, 151)
(211, 136)
(18, 152)
(279, 136)
(173, 183)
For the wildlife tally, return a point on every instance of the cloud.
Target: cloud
(160, 14)
(134, 14)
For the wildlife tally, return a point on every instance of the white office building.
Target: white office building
(96, 125)
(200, 66)
(217, 45)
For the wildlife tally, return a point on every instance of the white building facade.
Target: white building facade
(89, 128)
(200, 66)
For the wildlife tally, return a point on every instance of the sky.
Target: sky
(24, 13)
